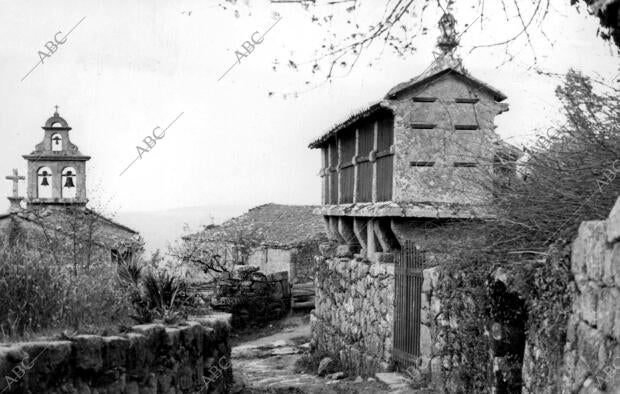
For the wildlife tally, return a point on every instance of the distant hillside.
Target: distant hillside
(159, 228)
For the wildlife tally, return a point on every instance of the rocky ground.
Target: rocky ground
(268, 365)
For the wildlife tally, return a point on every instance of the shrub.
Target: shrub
(31, 290)
(154, 293)
(40, 294)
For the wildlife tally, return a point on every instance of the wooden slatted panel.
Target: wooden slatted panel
(347, 146)
(333, 153)
(333, 187)
(333, 173)
(385, 173)
(365, 168)
(385, 159)
(385, 136)
(326, 188)
(346, 185)
(364, 182)
(408, 295)
(325, 175)
(347, 169)
(366, 139)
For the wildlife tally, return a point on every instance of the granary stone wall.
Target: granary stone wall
(592, 358)
(149, 359)
(425, 132)
(354, 306)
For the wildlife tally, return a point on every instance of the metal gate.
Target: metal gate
(408, 294)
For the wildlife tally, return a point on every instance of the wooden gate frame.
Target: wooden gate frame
(408, 278)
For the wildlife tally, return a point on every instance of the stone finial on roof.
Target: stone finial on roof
(448, 40)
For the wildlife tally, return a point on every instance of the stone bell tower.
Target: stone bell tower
(56, 168)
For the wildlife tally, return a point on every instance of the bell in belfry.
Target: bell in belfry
(69, 182)
(44, 181)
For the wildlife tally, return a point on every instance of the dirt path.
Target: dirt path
(267, 365)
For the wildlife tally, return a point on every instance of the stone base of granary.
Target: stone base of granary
(353, 357)
(354, 307)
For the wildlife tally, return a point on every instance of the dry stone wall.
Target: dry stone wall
(434, 364)
(438, 365)
(592, 357)
(150, 359)
(251, 296)
(353, 316)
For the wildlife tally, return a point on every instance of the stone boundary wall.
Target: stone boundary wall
(592, 356)
(251, 296)
(435, 367)
(433, 363)
(354, 306)
(150, 359)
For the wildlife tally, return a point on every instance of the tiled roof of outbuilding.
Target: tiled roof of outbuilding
(278, 225)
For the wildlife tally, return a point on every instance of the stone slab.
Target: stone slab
(613, 223)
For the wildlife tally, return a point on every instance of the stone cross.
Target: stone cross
(15, 178)
(15, 199)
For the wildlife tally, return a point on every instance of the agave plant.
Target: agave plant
(130, 272)
(160, 289)
(160, 295)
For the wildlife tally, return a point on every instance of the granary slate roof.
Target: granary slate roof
(278, 225)
(439, 68)
(357, 115)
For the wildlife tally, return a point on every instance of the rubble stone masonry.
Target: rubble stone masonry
(190, 357)
(353, 316)
(592, 356)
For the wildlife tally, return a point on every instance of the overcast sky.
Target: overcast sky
(131, 66)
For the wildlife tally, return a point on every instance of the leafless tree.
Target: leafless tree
(353, 27)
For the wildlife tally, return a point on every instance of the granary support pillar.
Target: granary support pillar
(385, 236)
(359, 228)
(371, 239)
(331, 222)
(345, 227)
